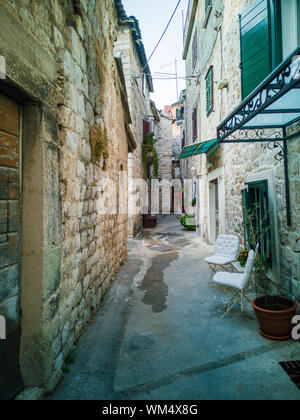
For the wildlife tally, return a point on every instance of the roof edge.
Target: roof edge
(190, 29)
(133, 23)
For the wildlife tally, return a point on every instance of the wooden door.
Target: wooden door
(10, 201)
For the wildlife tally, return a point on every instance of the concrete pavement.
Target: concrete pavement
(159, 334)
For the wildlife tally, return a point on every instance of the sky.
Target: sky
(153, 16)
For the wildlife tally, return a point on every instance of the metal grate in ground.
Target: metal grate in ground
(293, 370)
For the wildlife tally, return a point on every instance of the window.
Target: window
(180, 113)
(208, 9)
(146, 127)
(195, 123)
(290, 26)
(256, 207)
(270, 32)
(183, 140)
(195, 51)
(209, 91)
(255, 46)
(208, 3)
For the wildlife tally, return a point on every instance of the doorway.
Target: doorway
(10, 240)
(214, 210)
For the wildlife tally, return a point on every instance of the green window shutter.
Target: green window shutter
(209, 92)
(256, 45)
(207, 4)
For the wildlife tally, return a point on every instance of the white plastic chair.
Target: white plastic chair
(226, 252)
(239, 282)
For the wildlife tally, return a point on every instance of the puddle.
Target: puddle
(156, 290)
(160, 248)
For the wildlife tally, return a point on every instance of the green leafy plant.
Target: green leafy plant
(65, 369)
(194, 202)
(101, 145)
(189, 222)
(148, 149)
(70, 360)
(256, 229)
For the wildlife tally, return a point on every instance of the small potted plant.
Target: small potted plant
(189, 223)
(149, 152)
(243, 256)
(274, 313)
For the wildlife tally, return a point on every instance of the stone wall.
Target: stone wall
(139, 103)
(164, 145)
(60, 60)
(233, 165)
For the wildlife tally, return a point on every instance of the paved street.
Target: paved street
(159, 334)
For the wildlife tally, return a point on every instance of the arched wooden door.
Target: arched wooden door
(10, 205)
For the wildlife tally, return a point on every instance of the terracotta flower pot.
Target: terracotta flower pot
(275, 316)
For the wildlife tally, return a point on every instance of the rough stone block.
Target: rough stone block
(31, 394)
(65, 334)
(53, 272)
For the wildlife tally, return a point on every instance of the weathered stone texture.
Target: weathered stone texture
(164, 145)
(139, 103)
(72, 47)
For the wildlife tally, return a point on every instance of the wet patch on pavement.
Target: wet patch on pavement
(156, 290)
(159, 248)
(139, 342)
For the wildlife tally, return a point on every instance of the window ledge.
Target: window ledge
(207, 15)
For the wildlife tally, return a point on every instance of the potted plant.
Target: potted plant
(243, 256)
(149, 152)
(189, 223)
(274, 313)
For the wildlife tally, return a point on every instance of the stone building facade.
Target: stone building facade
(63, 102)
(164, 144)
(213, 47)
(129, 47)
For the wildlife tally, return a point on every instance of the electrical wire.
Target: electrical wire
(158, 77)
(161, 38)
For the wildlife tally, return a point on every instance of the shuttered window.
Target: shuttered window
(195, 123)
(209, 91)
(208, 3)
(256, 50)
(146, 127)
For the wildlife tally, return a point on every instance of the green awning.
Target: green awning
(198, 148)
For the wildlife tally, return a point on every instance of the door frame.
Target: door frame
(219, 175)
(269, 176)
(14, 338)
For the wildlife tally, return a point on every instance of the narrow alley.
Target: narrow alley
(159, 332)
(149, 200)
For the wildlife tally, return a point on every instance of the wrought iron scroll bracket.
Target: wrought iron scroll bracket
(274, 146)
